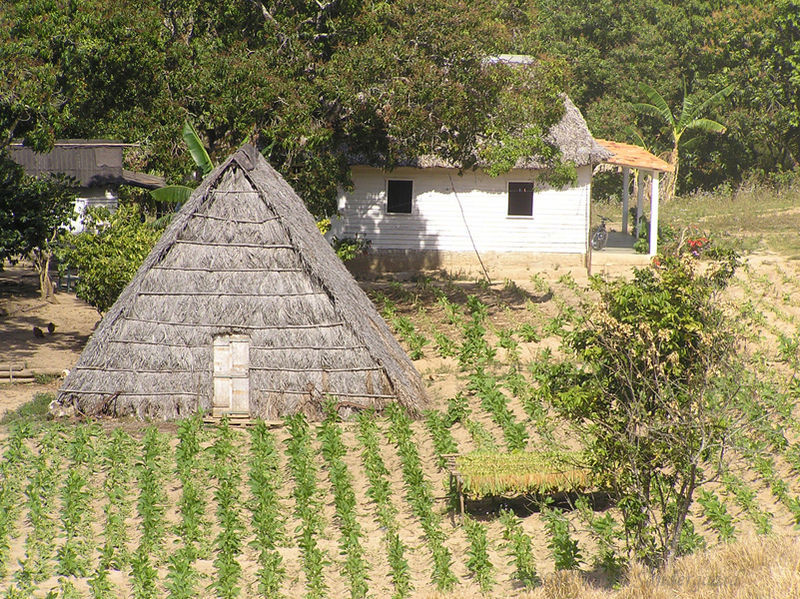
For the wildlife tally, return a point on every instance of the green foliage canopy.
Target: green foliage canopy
(107, 253)
(642, 385)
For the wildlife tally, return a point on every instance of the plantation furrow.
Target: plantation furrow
(351, 536)
(420, 497)
(410, 531)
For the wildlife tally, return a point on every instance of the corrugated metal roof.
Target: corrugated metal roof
(91, 162)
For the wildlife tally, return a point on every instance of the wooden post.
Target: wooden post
(654, 213)
(626, 173)
(639, 201)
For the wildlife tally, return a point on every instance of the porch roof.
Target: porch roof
(634, 157)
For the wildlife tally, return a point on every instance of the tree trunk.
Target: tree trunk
(41, 261)
(671, 179)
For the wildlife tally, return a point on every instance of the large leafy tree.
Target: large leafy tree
(32, 213)
(308, 83)
(649, 384)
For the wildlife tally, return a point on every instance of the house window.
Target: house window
(398, 196)
(520, 199)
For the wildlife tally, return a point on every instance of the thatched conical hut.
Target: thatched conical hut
(242, 307)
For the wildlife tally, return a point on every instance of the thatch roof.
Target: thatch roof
(570, 135)
(243, 256)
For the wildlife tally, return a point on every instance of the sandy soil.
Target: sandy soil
(21, 309)
(771, 283)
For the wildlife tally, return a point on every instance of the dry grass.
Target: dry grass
(753, 217)
(751, 568)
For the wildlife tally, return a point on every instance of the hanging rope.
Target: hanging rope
(466, 226)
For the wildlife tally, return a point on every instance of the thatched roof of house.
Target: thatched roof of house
(570, 135)
(243, 256)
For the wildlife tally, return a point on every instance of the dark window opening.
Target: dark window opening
(520, 199)
(398, 196)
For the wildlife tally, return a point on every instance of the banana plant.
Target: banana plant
(178, 194)
(689, 118)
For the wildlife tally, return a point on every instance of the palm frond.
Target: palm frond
(172, 194)
(720, 95)
(656, 101)
(196, 148)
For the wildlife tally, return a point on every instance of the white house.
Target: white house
(430, 215)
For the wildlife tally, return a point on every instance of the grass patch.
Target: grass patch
(36, 410)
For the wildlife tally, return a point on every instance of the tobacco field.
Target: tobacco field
(361, 507)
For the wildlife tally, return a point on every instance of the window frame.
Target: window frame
(411, 198)
(508, 198)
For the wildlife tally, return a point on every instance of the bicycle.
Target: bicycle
(599, 237)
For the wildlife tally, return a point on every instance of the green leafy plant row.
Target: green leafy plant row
(380, 492)
(344, 501)
(420, 497)
(302, 464)
(268, 524)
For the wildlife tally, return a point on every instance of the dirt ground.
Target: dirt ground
(21, 309)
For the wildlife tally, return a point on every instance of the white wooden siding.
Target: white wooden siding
(559, 222)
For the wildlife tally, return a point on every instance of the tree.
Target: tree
(107, 253)
(689, 119)
(309, 84)
(32, 212)
(646, 385)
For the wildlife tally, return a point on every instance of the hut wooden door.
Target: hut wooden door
(231, 375)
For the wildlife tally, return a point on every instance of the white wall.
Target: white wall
(559, 222)
(91, 197)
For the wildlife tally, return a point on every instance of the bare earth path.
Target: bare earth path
(21, 309)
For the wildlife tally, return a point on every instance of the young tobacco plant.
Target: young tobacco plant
(117, 459)
(302, 464)
(40, 494)
(380, 492)
(519, 546)
(192, 505)
(478, 563)
(439, 429)
(344, 500)
(264, 480)
(563, 548)
(419, 496)
(607, 535)
(227, 476)
(717, 515)
(75, 553)
(496, 404)
(150, 507)
(13, 473)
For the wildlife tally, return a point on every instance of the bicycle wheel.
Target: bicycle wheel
(599, 239)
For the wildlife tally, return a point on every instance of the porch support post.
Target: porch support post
(654, 213)
(626, 175)
(639, 200)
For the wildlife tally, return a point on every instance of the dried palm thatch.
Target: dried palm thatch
(570, 135)
(242, 258)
